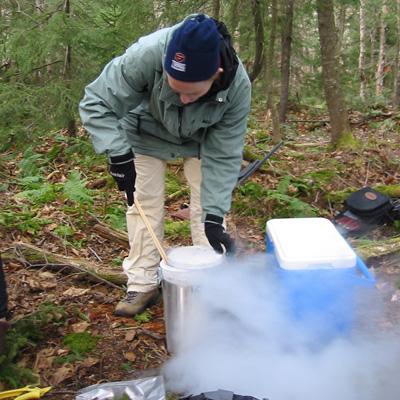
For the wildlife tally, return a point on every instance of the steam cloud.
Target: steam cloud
(240, 336)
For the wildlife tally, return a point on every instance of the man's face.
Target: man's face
(189, 92)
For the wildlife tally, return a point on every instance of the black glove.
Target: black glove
(217, 236)
(122, 168)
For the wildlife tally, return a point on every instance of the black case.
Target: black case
(368, 203)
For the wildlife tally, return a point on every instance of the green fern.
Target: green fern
(288, 206)
(45, 194)
(177, 229)
(30, 182)
(28, 165)
(75, 190)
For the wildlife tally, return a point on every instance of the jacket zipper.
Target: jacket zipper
(180, 111)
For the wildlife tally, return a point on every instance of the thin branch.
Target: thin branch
(37, 68)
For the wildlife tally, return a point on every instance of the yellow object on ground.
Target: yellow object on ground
(25, 393)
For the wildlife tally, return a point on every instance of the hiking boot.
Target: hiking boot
(136, 302)
(4, 325)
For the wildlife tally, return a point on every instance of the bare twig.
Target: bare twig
(40, 67)
(367, 173)
(147, 332)
(95, 254)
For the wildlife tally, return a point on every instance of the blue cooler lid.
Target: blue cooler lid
(309, 243)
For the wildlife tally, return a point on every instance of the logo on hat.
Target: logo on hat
(178, 62)
(180, 57)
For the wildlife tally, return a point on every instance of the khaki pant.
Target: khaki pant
(141, 266)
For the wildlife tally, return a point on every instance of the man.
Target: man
(178, 92)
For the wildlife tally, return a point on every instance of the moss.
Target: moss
(172, 396)
(320, 177)
(340, 196)
(80, 343)
(346, 141)
(144, 317)
(390, 190)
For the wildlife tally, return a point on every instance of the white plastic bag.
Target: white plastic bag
(151, 388)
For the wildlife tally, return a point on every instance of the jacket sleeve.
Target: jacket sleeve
(222, 154)
(120, 88)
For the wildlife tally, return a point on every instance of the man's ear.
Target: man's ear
(219, 72)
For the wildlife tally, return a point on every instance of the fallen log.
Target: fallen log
(367, 249)
(112, 234)
(392, 191)
(35, 257)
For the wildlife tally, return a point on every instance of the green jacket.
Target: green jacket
(131, 106)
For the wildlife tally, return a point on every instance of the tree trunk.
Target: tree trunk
(361, 59)
(39, 9)
(271, 96)
(259, 40)
(341, 24)
(159, 8)
(380, 69)
(285, 58)
(396, 97)
(234, 23)
(216, 9)
(372, 38)
(340, 128)
(67, 76)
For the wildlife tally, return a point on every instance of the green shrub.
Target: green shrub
(27, 332)
(176, 229)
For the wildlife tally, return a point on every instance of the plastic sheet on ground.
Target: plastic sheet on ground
(151, 388)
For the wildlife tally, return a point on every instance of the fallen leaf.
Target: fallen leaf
(130, 356)
(80, 326)
(89, 362)
(75, 292)
(33, 284)
(156, 326)
(61, 352)
(44, 359)
(51, 227)
(63, 373)
(76, 252)
(47, 275)
(97, 184)
(47, 280)
(130, 335)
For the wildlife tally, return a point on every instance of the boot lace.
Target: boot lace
(130, 296)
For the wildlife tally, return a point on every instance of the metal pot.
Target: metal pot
(179, 284)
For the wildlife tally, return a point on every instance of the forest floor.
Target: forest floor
(117, 348)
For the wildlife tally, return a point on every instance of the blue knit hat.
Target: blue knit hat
(193, 51)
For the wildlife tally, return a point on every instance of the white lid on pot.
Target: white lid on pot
(184, 262)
